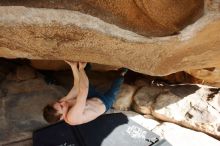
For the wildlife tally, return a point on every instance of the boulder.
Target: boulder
(16, 87)
(25, 73)
(179, 77)
(59, 34)
(193, 106)
(149, 18)
(209, 76)
(190, 105)
(141, 82)
(144, 98)
(21, 108)
(124, 97)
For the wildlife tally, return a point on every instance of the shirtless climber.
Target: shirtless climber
(75, 108)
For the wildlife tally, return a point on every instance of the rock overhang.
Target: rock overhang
(57, 34)
(148, 18)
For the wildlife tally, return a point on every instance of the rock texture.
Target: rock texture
(180, 77)
(22, 73)
(209, 76)
(193, 106)
(21, 106)
(212, 5)
(144, 99)
(149, 18)
(58, 34)
(124, 97)
(114, 33)
(57, 65)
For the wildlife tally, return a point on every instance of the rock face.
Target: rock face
(21, 105)
(180, 77)
(149, 18)
(57, 65)
(144, 99)
(124, 97)
(151, 37)
(22, 73)
(193, 106)
(209, 76)
(58, 34)
(198, 109)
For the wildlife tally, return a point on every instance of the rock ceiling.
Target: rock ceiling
(148, 37)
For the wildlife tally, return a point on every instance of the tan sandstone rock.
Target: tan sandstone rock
(124, 97)
(192, 106)
(144, 98)
(212, 5)
(49, 65)
(56, 65)
(179, 77)
(210, 76)
(149, 18)
(58, 34)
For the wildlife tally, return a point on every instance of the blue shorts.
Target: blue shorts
(109, 96)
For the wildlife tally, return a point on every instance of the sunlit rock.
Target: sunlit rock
(149, 18)
(179, 136)
(59, 34)
(209, 76)
(193, 106)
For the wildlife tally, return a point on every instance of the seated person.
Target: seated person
(83, 103)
